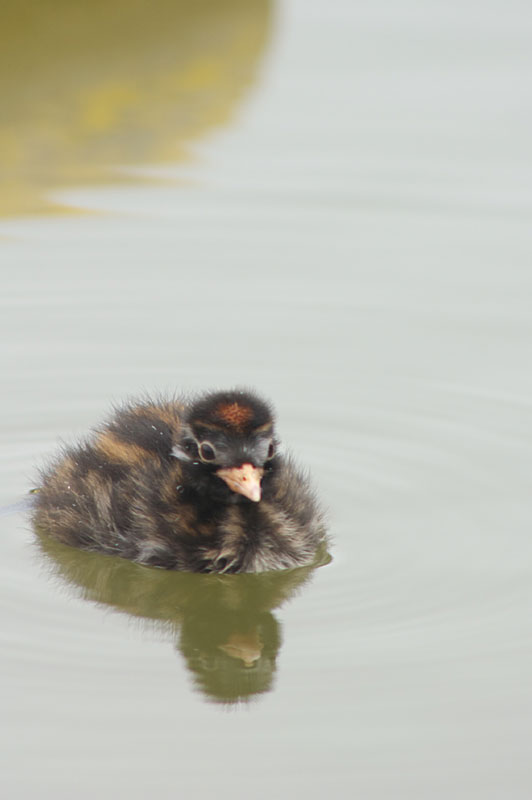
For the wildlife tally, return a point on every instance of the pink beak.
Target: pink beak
(243, 480)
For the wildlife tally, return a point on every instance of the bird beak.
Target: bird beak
(243, 480)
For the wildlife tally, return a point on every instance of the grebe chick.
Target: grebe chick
(197, 486)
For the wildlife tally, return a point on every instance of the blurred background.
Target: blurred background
(89, 87)
(329, 202)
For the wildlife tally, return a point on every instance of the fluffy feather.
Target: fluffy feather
(144, 486)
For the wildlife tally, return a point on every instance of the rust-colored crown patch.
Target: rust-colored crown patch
(234, 415)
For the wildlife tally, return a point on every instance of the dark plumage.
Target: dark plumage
(194, 486)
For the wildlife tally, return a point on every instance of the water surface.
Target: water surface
(350, 237)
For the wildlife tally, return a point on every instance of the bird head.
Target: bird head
(230, 435)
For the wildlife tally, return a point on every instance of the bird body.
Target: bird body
(197, 486)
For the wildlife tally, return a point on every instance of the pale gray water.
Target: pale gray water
(354, 241)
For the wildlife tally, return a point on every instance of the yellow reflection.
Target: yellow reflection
(221, 624)
(89, 85)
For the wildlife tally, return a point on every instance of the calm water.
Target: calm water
(330, 203)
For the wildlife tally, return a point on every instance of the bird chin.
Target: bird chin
(237, 499)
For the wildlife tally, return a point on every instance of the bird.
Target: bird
(184, 483)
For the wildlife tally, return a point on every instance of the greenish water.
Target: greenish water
(223, 626)
(88, 87)
(339, 217)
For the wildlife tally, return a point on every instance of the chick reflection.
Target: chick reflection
(222, 624)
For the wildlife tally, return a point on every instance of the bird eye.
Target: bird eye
(271, 450)
(207, 452)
